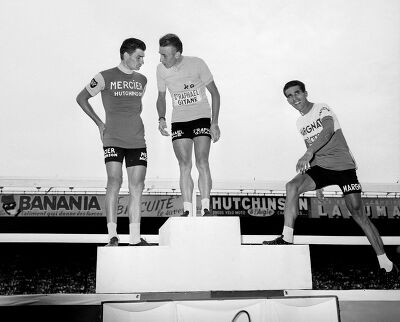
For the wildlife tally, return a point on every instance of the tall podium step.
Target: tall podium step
(202, 254)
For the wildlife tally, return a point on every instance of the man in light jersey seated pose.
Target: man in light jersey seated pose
(327, 161)
(194, 122)
(122, 135)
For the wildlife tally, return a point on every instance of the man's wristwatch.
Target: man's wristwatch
(161, 118)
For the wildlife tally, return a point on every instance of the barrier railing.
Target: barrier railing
(153, 239)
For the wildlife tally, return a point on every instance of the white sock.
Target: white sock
(287, 234)
(112, 230)
(188, 206)
(385, 262)
(205, 204)
(134, 233)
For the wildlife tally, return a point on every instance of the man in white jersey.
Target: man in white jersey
(327, 161)
(194, 122)
(122, 134)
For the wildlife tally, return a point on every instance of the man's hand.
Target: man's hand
(162, 127)
(304, 162)
(215, 132)
(101, 127)
(320, 194)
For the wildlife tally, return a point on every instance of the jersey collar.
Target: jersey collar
(178, 65)
(125, 70)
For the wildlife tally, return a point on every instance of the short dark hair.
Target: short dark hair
(171, 40)
(130, 45)
(294, 83)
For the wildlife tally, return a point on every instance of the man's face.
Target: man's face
(135, 60)
(168, 56)
(297, 98)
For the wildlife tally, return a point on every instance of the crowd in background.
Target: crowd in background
(52, 269)
(70, 280)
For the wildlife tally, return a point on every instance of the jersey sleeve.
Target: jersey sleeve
(324, 111)
(96, 85)
(205, 74)
(161, 85)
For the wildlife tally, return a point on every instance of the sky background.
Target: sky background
(346, 51)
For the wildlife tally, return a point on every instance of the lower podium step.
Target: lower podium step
(202, 256)
(307, 309)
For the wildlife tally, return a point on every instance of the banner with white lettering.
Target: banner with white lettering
(87, 205)
(92, 205)
(258, 206)
(372, 207)
(311, 207)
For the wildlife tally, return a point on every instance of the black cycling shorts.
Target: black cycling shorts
(346, 179)
(132, 157)
(191, 129)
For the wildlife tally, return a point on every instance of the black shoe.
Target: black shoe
(395, 270)
(393, 274)
(185, 213)
(207, 213)
(141, 243)
(388, 280)
(113, 241)
(276, 241)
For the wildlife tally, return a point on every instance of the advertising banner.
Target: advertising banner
(372, 207)
(311, 207)
(92, 205)
(258, 206)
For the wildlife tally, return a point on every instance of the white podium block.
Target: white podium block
(202, 254)
(185, 231)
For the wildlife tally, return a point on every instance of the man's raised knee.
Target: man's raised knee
(292, 188)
